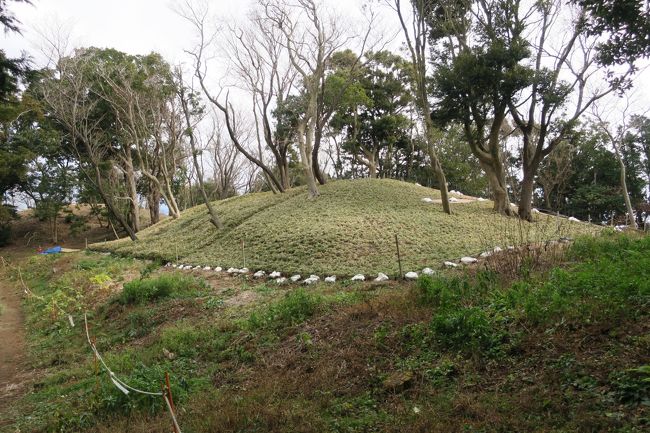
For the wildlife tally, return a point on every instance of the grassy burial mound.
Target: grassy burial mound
(349, 229)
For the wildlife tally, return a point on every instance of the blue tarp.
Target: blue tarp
(53, 250)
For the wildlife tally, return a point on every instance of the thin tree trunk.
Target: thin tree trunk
(133, 192)
(111, 207)
(305, 157)
(436, 166)
(626, 195)
(214, 219)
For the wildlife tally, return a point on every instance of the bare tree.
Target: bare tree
(198, 18)
(311, 37)
(188, 99)
(263, 70)
(227, 165)
(416, 34)
(149, 120)
(69, 101)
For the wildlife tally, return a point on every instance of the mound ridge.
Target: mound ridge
(348, 229)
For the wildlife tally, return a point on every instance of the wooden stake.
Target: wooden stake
(169, 392)
(399, 257)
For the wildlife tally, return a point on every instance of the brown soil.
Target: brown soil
(13, 373)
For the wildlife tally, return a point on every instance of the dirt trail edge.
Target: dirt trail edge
(12, 343)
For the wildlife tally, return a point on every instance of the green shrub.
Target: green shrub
(441, 291)
(141, 291)
(295, 308)
(469, 329)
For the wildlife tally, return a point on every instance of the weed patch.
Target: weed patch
(142, 291)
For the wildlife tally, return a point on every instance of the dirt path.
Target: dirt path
(13, 372)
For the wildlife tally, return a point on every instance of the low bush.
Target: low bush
(296, 307)
(141, 291)
(440, 291)
(468, 329)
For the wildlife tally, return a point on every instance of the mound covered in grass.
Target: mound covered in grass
(349, 229)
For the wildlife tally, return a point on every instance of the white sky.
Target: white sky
(143, 26)
(132, 26)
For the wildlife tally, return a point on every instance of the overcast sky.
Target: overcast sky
(142, 26)
(133, 26)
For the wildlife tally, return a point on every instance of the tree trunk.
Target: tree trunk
(283, 167)
(436, 166)
(111, 207)
(305, 159)
(626, 195)
(526, 199)
(55, 229)
(153, 201)
(372, 168)
(314, 157)
(214, 219)
(497, 180)
(132, 189)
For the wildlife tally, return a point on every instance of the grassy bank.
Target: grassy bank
(349, 229)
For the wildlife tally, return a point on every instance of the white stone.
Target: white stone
(497, 249)
(174, 265)
(310, 280)
(281, 280)
(428, 271)
(574, 219)
(295, 278)
(411, 276)
(330, 279)
(510, 247)
(381, 277)
(197, 268)
(358, 277)
(535, 210)
(207, 268)
(218, 269)
(453, 200)
(451, 264)
(314, 277)
(486, 254)
(231, 270)
(417, 184)
(242, 271)
(427, 200)
(468, 260)
(275, 274)
(259, 274)
(481, 199)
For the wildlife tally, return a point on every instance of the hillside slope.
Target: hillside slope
(349, 229)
